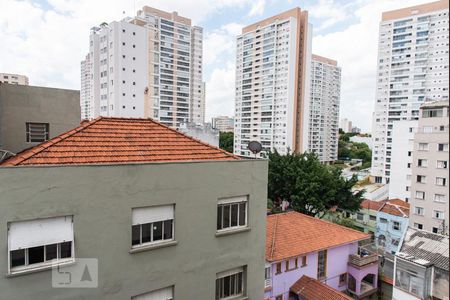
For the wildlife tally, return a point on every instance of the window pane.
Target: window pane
(135, 234)
(157, 231)
(17, 258)
(226, 286)
(219, 217)
(168, 229)
(242, 209)
(51, 251)
(66, 250)
(226, 216)
(232, 284)
(35, 255)
(234, 214)
(240, 283)
(146, 232)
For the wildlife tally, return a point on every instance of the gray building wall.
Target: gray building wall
(101, 199)
(20, 104)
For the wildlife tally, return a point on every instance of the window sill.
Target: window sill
(41, 268)
(232, 231)
(138, 249)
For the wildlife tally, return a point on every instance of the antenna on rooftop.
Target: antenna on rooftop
(4, 154)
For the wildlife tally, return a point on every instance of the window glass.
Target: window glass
(136, 235)
(17, 258)
(157, 231)
(51, 251)
(146, 232)
(168, 230)
(66, 249)
(36, 255)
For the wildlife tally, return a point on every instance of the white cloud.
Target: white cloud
(220, 92)
(355, 48)
(329, 12)
(257, 8)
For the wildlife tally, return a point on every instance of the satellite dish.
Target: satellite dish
(255, 147)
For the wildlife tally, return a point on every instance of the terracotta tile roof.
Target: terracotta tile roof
(293, 234)
(312, 289)
(370, 204)
(396, 207)
(118, 140)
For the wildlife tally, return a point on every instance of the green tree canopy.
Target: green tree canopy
(309, 186)
(226, 140)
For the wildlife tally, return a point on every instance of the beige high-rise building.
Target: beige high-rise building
(13, 79)
(273, 61)
(430, 175)
(223, 123)
(324, 108)
(148, 66)
(413, 68)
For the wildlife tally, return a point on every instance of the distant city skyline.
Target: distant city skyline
(54, 58)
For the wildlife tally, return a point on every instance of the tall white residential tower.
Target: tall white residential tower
(146, 66)
(324, 108)
(272, 84)
(412, 69)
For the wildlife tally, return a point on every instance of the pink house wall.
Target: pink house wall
(336, 264)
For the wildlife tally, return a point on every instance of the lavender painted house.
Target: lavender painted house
(298, 245)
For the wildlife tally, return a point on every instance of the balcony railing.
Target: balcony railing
(267, 283)
(364, 258)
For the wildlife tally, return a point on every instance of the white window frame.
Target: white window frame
(229, 273)
(59, 237)
(167, 293)
(229, 202)
(441, 181)
(440, 213)
(439, 196)
(445, 145)
(442, 164)
(394, 225)
(420, 208)
(422, 197)
(423, 147)
(147, 216)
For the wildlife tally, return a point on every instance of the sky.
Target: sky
(47, 39)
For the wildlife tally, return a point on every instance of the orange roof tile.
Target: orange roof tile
(395, 209)
(117, 141)
(370, 204)
(293, 234)
(312, 289)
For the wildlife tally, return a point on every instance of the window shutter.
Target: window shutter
(144, 215)
(33, 233)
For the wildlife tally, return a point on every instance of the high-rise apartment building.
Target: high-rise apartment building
(272, 84)
(86, 103)
(346, 125)
(324, 108)
(429, 190)
(146, 66)
(223, 123)
(412, 69)
(13, 79)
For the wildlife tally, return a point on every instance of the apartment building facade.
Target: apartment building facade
(324, 108)
(14, 79)
(402, 159)
(273, 61)
(148, 66)
(429, 190)
(30, 115)
(412, 69)
(223, 123)
(161, 222)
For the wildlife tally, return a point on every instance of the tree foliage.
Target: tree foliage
(310, 186)
(226, 140)
(353, 150)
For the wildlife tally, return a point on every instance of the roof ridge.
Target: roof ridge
(28, 153)
(274, 237)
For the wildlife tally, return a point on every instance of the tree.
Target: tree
(226, 140)
(309, 186)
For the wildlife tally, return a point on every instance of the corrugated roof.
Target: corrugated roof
(118, 141)
(425, 248)
(312, 289)
(293, 234)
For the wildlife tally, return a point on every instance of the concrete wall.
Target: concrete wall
(101, 199)
(387, 230)
(20, 104)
